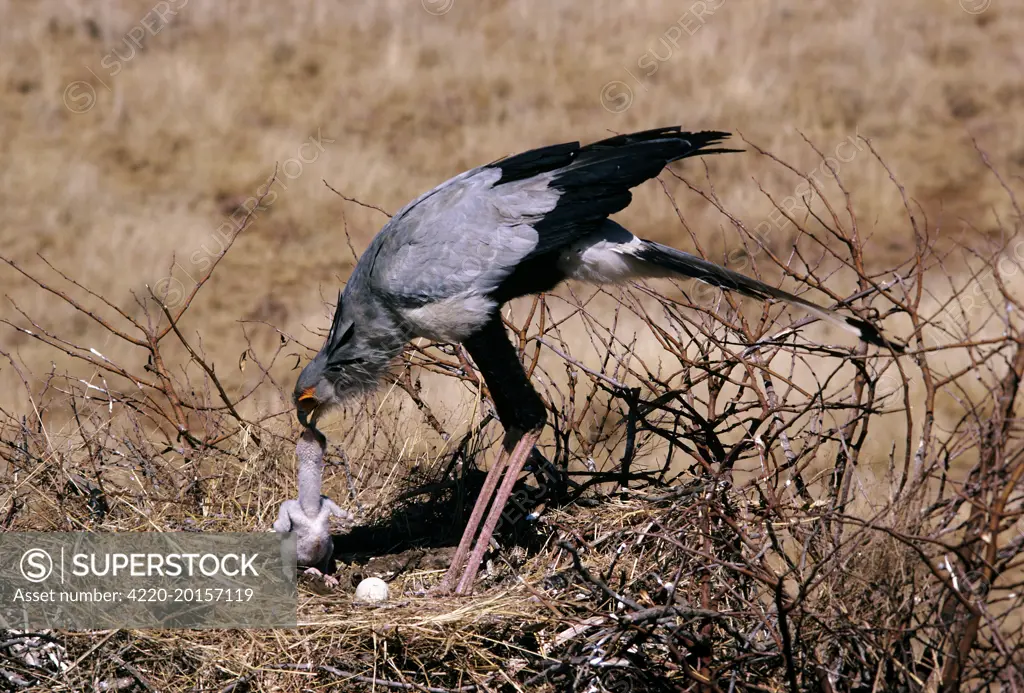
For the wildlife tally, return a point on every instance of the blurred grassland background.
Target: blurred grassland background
(132, 131)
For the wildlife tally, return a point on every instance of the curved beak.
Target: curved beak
(306, 406)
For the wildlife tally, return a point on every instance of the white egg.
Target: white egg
(372, 590)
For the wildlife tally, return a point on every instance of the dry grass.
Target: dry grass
(745, 526)
(194, 124)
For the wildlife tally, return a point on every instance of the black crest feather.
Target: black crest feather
(337, 337)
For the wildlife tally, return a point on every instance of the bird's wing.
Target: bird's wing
(468, 235)
(462, 238)
(594, 181)
(283, 523)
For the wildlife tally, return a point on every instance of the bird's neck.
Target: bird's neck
(310, 451)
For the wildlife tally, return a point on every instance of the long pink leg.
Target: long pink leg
(486, 492)
(515, 465)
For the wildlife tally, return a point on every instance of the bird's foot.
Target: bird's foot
(328, 581)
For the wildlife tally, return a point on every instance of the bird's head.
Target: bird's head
(350, 362)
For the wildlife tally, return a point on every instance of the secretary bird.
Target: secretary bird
(446, 262)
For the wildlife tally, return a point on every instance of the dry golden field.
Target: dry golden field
(135, 134)
(128, 141)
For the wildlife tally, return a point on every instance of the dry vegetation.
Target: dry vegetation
(797, 516)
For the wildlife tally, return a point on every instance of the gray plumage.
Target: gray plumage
(428, 273)
(441, 267)
(309, 516)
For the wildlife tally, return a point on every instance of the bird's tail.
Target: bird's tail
(687, 265)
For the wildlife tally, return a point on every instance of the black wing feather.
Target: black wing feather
(595, 180)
